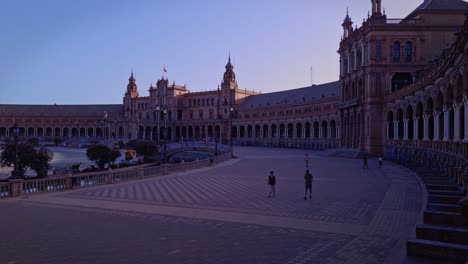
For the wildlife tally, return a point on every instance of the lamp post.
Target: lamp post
(105, 132)
(15, 172)
(231, 112)
(157, 126)
(164, 136)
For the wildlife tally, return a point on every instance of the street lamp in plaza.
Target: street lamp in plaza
(231, 113)
(15, 172)
(105, 132)
(164, 135)
(157, 125)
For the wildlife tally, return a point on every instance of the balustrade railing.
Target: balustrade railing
(25, 187)
(4, 189)
(44, 185)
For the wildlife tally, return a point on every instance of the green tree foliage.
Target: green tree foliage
(102, 155)
(41, 162)
(28, 157)
(147, 149)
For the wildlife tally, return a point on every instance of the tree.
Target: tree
(28, 157)
(147, 149)
(102, 155)
(41, 162)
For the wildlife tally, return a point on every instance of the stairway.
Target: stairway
(444, 233)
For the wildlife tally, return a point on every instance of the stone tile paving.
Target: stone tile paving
(355, 216)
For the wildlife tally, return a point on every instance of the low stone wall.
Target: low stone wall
(19, 187)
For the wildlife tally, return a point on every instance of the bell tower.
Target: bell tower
(376, 7)
(347, 25)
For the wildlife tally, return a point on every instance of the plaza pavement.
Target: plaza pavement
(222, 214)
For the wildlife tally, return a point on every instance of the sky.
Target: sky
(82, 52)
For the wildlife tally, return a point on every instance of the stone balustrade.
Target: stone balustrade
(19, 187)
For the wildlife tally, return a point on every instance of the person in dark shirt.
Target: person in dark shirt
(271, 184)
(307, 160)
(308, 184)
(364, 166)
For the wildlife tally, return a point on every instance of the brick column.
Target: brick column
(426, 127)
(465, 102)
(415, 128)
(16, 187)
(405, 129)
(456, 119)
(395, 130)
(436, 126)
(446, 124)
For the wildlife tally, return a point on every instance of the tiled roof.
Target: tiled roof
(458, 5)
(113, 110)
(300, 95)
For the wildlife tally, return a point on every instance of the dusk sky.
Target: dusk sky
(82, 52)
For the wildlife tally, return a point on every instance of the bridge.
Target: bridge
(215, 148)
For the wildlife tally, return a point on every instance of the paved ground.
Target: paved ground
(222, 215)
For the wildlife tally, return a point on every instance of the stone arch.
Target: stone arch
(282, 131)
(249, 131)
(290, 130)
(333, 128)
(400, 123)
(299, 130)
(242, 131)
(265, 131)
(307, 129)
(316, 129)
(324, 129)
(257, 131)
(274, 131)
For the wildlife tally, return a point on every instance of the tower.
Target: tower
(132, 89)
(376, 7)
(347, 25)
(229, 77)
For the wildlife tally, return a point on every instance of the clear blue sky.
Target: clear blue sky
(82, 52)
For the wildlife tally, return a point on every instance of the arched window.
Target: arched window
(408, 52)
(396, 52)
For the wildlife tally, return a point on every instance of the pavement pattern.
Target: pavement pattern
(222, 214)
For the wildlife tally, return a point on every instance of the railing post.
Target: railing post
(16, 187)
(165, 170)
(109, 178)
(68, 182)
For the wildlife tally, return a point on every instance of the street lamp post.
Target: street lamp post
(15, 172)
(157, 126)
(105, 126)
(231, 112)
(164, 135)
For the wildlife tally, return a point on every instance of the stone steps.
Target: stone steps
(445, 199)
(443, 234)
(444, 218)
(445, 192)
(447, 187)
(436, 249)
(444, 207)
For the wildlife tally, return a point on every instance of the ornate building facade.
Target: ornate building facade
(402, 81)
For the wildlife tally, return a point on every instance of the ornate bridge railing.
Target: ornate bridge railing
(19, 187)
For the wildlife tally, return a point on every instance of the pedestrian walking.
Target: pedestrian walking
(364, 166)
(307, 160)
(380, 162)
(271, 184)
(308, 184)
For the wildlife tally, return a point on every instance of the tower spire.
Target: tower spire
(347, 24)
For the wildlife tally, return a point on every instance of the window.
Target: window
(378, 50)
(191, 115)
(408, 52)
(396, 52)
(200, 114)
